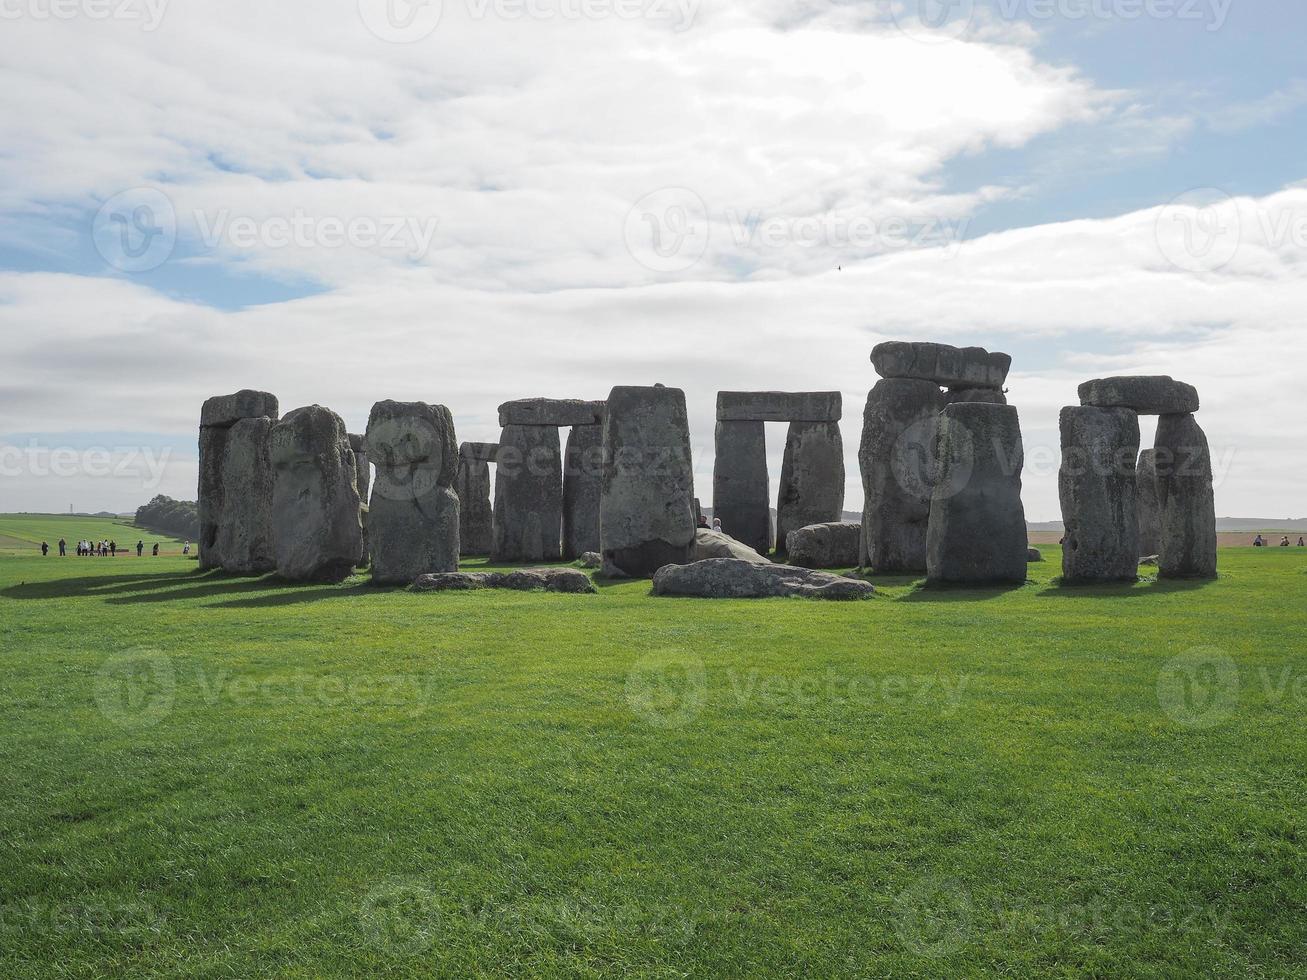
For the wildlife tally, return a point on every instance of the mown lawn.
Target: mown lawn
(23, 533)
(211, 777)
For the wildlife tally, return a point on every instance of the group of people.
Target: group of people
(1261, 542)
(716, 523)
(101, 549)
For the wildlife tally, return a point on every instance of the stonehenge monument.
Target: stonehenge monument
(315, 503)
(583, 466)
(528, 513)
(1162, 505)
(472, 484)
(977, 530)
(831, 545)
(1096, 485)
(897, 459)
(218, 417)
(647, 496)
(812, 473)
(413, 520)
(244, 542)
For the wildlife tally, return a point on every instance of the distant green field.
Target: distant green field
(214, 777)
(23, 533)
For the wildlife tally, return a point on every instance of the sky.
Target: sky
(472, 201)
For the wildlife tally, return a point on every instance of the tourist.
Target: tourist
(1300, 544)
(45, 550)
(1284, 541)
(716, 523)
(63, 548)
(186, 548)
(113, 548)
(155, 552)
(703, 521)
(140, 548)
(1258, 542)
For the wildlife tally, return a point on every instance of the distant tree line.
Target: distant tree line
(164, 515)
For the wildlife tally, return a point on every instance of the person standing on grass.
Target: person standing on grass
(1258, 542)
(186, 548)
(155, 552)
(63, 548)
(113, 548)
(1300, 544)
(140, 548)
(45, 549)
(1284, 541)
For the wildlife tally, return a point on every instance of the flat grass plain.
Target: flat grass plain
(23, 533)
(215, 777)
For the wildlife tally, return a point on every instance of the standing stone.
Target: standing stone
(647, 502)
(244, 539)
(897, 459)
(1096, 485)
(1184, 493)
(1148, 509)
(413, 520)
(528, 523)
(583, 471)
(475, 514)
(363, 482)
(812, 478)
(315, 503)
(977, 532)
(741, 494)
(217, 416)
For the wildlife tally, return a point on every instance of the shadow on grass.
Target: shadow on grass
(959, 593)
(1058, 589)
(105, 585)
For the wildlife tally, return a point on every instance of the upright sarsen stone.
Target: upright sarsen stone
(528, 522)
(1096, 486)
(812, 478)
(977, 531)
(413, 519)
(897, 459)
(1148, 510)
(217, 416)
(1184, 490)
(741, 496)
(647, 502)
(475, 514)
(315, 501)
(583, 470)
(244, 540)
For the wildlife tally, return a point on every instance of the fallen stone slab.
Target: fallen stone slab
(558, 412)
(571, 580)
(591, 559)
(1034, 554)
(224, 411)
(715, 544)
(779, 406)
(1145, 394)
(479, 452)
(830, 545)
(948, 366)
(729, 578)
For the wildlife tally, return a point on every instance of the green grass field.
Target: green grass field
(214, 777)
(23, 533)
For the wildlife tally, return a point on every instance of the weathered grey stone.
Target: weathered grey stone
(475, 514)
(1096, 486)
(953, 367)
(1184, 490)
(647, 503)
(363, 483)
(741, 493)
(1147, 395)
(715, 544)
(244, 540)
(224, 411)
(977, 531)
(1148, 509)
(830, 545)
(898, 462)
(315, 503)
(217, 416)
(558, 412)
(479, 452)
(1034, 554)
(812, 478)
(779, 406)
(413, 517)
(528, 524)
(569, 580)
(991, 396)
(591, 559)
(728, 578)
(583, 477)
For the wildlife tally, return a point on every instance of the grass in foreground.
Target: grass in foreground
(215, 777)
